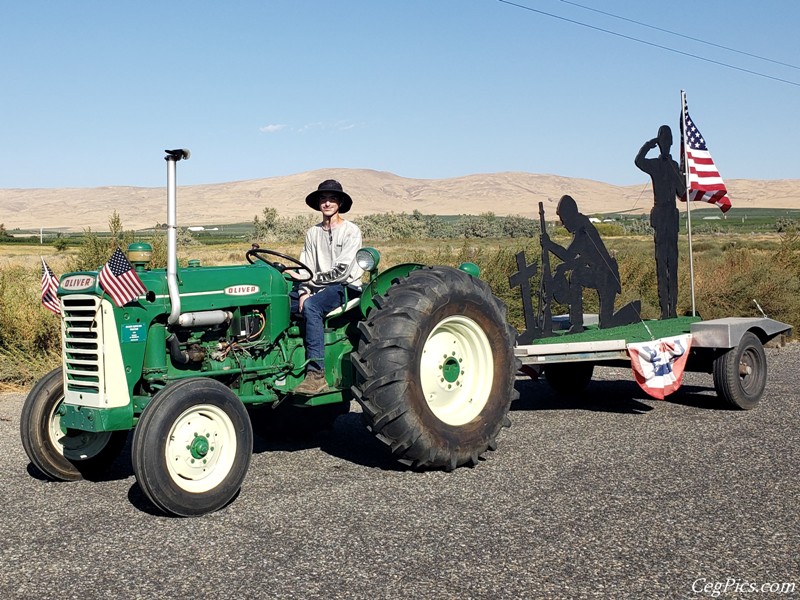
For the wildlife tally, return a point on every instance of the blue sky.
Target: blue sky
(94, 91)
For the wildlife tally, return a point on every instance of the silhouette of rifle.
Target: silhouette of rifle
(544, 314)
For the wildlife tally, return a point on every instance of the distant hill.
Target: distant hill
(372, 191)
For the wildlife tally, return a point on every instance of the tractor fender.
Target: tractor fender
(382, 282)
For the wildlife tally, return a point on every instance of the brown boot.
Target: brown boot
(314, 383)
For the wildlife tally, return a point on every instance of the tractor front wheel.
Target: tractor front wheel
(192, 447)
(63, 454)
(436, 368)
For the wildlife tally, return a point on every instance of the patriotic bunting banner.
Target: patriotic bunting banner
(50, 289)
(705, 183)
(119, 279)
(658, 365)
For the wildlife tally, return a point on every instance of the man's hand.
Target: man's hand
(296, 274)
(301, 301)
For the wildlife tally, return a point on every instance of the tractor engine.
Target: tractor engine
(234, 326)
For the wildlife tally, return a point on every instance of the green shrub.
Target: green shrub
(30, 335)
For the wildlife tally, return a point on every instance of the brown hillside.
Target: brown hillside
(372, 191)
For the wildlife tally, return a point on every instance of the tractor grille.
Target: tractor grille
(82, 349)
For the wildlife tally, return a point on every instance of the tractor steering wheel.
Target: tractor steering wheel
(257, 253)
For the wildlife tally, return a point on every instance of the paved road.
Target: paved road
(612, 495)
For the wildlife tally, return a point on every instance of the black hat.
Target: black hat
(330, 185)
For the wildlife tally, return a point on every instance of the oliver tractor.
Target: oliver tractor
(426, 352)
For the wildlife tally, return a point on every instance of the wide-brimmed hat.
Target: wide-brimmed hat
(330, 185)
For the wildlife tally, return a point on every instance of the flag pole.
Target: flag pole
(685, 146)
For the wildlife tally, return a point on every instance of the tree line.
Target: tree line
(270, 226)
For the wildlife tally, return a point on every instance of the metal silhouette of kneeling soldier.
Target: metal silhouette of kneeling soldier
(586, 263)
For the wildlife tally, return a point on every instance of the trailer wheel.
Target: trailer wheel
(192, 447)
(569, 378)
(740, 375)
(435, 369)
(63, 454)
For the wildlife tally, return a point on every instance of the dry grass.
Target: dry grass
(729, 275)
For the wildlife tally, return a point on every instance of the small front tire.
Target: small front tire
(63, 454)
(192, 447)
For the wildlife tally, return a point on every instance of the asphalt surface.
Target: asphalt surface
(606, 495)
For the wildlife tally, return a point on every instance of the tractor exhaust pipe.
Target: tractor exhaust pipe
(172, 157)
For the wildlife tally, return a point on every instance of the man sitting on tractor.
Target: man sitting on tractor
(330, 250)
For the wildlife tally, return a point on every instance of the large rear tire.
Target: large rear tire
(740, 375)
(192, 447)
(435, 369)
(63, 454)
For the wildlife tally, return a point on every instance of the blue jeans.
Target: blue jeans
(314, 310)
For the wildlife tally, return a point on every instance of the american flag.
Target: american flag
(50, 289)
(658, 365)
(119, 279)
(705, 183)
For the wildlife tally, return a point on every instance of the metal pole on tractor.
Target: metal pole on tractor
(172, 157)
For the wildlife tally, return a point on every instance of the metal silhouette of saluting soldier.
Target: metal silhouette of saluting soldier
(668, 183)
(586, 263)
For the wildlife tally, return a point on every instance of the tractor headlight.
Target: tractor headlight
(368, 259)
(140, 253)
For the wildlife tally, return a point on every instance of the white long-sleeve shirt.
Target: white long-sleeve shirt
(332, 255)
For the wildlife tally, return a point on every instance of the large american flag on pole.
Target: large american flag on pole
(119, 279)
(705, 183)
(50, 289)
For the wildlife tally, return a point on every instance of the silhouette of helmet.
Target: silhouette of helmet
(664, 139)
(567, 210)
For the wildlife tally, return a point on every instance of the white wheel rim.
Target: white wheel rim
(80, 445)
(456, 370)
(201, 448)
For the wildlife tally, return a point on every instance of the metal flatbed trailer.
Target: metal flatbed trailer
(731, 348)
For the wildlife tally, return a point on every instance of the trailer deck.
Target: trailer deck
(601, 345)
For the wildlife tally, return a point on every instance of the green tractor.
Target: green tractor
(426, 351)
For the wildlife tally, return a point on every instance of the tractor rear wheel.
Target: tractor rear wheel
(435, 369)
(192, 447)
(63, 454)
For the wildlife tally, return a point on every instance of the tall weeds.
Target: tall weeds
(729, 278)
(29, 335)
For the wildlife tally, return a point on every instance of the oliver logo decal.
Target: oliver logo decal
(241, 290)
(77, 282)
